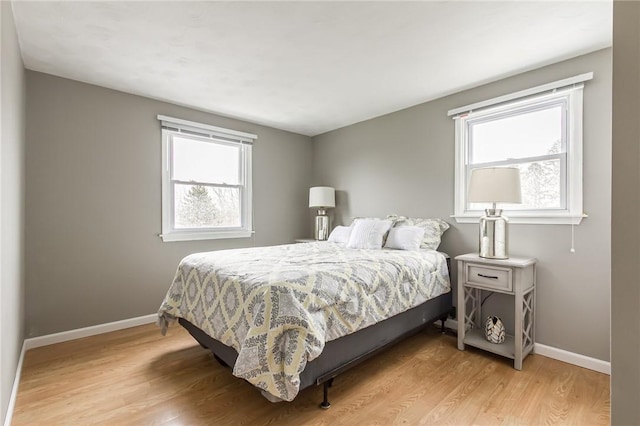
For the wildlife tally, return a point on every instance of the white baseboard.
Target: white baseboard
(452, 324)
(559, 354)
(65, 336)
(573, 358)
(14, 389)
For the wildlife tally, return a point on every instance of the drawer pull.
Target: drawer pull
(488, 276)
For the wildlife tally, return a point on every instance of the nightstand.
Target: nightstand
(305, 240)
(514, 276)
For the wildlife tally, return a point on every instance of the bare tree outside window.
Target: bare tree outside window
(541, 182)
(199, 206)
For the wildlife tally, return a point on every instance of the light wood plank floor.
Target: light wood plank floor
(136, 376)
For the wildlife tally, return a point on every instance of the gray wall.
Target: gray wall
(625, 223)
(12, 141)
(403, 163)
(93, 202)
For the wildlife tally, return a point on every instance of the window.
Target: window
(538, 131)
(206, 181)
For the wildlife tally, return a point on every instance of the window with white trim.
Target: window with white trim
(206, 181)
(538, 131)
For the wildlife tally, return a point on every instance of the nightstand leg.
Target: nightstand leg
(461, 307)
(519, 303)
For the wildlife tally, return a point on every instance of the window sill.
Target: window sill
(193, 236)
(549, 219)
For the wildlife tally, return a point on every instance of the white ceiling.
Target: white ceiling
(306, 67)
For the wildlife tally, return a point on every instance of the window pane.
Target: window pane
(198, 206)
(205, 161)
(540, 182)
(540, 185)
(529, 134)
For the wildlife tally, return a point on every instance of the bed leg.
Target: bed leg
(325, 392)
(442, 321)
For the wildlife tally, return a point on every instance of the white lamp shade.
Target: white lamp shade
(495, 185)
(322, 196)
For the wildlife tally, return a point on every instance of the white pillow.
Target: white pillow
(405, 238)
(340, 234)
(368, 233)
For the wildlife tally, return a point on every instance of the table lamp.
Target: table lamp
(322, 198)
(494, 185)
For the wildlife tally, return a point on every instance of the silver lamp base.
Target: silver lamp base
(322, 225)
(494, 235)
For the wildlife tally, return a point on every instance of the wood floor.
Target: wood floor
(136, 377)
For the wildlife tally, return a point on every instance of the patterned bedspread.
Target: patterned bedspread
(277, 306)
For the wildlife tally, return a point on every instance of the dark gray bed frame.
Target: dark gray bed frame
(347, 351)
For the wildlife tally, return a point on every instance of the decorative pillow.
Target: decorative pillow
(405, 238)
(433, 229)
(340, 234)
(368, 233)
(391, 217)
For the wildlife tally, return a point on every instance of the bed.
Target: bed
(291, 316)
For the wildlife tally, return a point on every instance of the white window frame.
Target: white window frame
(188, 129)
(569, 93)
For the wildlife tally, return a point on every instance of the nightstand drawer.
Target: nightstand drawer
(489, 277)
